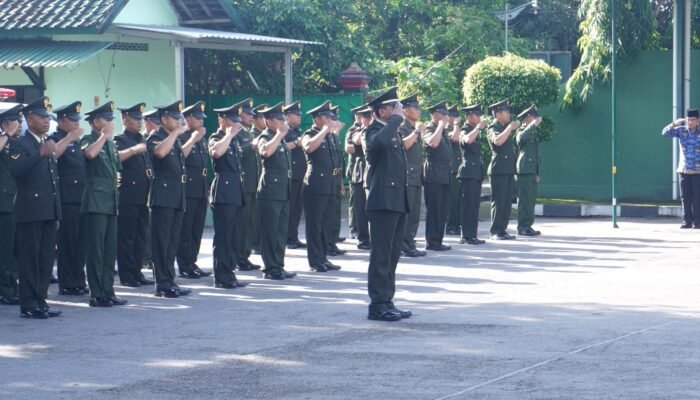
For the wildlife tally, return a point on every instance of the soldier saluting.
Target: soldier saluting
(501, 169)
(471, 174)
(528, 169)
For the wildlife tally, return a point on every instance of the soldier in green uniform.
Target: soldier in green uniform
(331, 228)
(99, 205)
(197, 191)
(320, 185)
(273, 193)
(528, 169)
(501, 169)
(387, 204)
(37, 210)
(167, 197)
(10, 126)
(226, 195)
(247, 228)
(350, 148)
(71, 182)
(152, 123)
(254, 221)
(411, 130)
(356, 175)
(454, 197)
(296, 200)
(134, 185)
(471, 174)
(436, 176)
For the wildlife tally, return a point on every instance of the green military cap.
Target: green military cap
(37, 107)
(389, 97)
(273, 112)
(195, 110)
(105, 111)
(366, 112)
(246, 107)
(70, 111)
(500, 106)
(411, 101)
(231, 112)
(171, 110)
(322, 110)
(135, 111)
(294, 108)
(257, 111)
(152, 116)
(440, 107)
(692, 113)
(12, 114)
(358, 109)
(530, 111)
(454, 111)
(473, 109)
(335, 110)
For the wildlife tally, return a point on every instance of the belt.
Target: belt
(183, 179)
(204, 172)
(289, 174)
(149, 173)
(336, 171)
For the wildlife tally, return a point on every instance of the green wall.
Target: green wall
(577, 162)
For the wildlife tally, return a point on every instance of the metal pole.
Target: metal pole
(507, 18)
(614, 117)
(288, 76)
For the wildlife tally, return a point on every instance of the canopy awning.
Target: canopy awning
(46, 53)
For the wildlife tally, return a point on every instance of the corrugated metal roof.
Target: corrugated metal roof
(43, 53)
(60, 16)
(196, 35)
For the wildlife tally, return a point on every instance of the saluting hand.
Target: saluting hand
(538, 121)
(398, 110)
(75, 134)
(679, 122)
(283, 129)
(515, 124)
(11, 127)
(482, 124)
(47, 148)
(421, 128)
(139, 148)
(108, 131)
(200, 133)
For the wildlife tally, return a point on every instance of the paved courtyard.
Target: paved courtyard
(583, 312)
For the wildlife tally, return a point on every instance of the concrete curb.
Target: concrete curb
(597, 210)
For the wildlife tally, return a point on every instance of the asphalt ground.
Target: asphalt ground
(582, 312)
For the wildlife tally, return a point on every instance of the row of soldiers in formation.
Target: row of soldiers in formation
(95, 197)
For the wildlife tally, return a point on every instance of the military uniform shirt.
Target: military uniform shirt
(276, 171)
(386, 166)
(227, 187)
(137, 171)
(323, 166)
(471, 166)
(8, 187)
(250, 159)
(414, 155)
(196, 165)
(438, 159)
(169, 174)
(296, 154)
(528, 152)
(101, 195)
(71, 170)
(503, 158)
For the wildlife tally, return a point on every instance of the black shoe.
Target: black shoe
(335, 252)
(116, 301)
(275, 276)
(36, 313)
(440, 247)
(148, 265)
(340, 240)
(320, 268)
(686, 225)
(201, 272)
(331, 267)
(52, 312)
(364, 246)
(292, 245)
(100, 302)
(528, 232)
(131, 283)
(473, 241)
(227, 285)
(453, 232)
(53, 279)
(410, 253)
(353, 235)
(255, 249)
(145, 282)
(421, 253)
(288, 275)
(189, 275)
(9, 300)
(402, 313)
(503, 236)
(182, 291)
(384, 315)
(169, 293)
(248, 266)
(301, 244)
(84, 290)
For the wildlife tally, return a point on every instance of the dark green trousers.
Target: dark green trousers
(359, 205)
(225, 258)
(254, 224)
(436, 200)
(35, 244)
(274, 223)
(454, 219)
(246, 228)
(70, 242)
(165, 234)
(317, 209)
(132, 224)
(296, 205)
(101, 243)
(502, 191)
(414, 194)
(352, 224)
(331, 227)
(147, 253)
(386, 230)
(527, 195)
(9, 275)
(471, 200)
(191, 233)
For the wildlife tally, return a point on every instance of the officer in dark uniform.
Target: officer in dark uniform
(151, 120)
(320, 184)
(254, 219)
(227, 198)
(71, 181)
(247, 227)
(411, 130)
(37, 209)
(331, 228)
(134, 185)
(167, 198)
(387, 204)
(350, 148)
(501, 169)
(471, 174)
(10, 126)
(273, 192)
(436, 176)
(296, 153)
(356, 175)
(528, 169)
(99, 205)
(454, 197)
(197, 192)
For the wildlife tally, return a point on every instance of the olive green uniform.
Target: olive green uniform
(331, 227)
(454, 197)
(358, 197)
(349, 172)
(502, 171)
(528, 169)
(414, 185)
(436, 179)
(471, 175)
(9, 275)
(248, 222)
